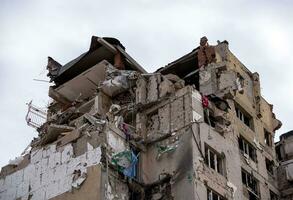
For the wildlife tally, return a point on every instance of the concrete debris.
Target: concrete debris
(115, 86)
(68, 137)
(16, 161)
(53, 67)
(117, 81)
(178, 82)
(78, 178)
(166, 88)
(197, 128)
(53, 131)
(57, 96)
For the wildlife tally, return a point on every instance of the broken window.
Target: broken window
(244, 117)
(247, 149)
(273, 196)
(270, 166)
(251, 183)
(212, 195)
(268, 138)
(214, 160)
(186, 68)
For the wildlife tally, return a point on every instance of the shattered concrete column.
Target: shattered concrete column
(153, 88)
(141, 91)
(101, 105)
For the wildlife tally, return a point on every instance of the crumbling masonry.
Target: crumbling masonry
(197, 128)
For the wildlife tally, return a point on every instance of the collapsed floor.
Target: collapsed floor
(191, 130)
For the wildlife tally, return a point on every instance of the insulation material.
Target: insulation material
(116, 142)
(115, 86)
(49, 174)
(117, 81)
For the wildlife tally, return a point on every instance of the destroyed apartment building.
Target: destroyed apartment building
(284, 150)
(197, 128)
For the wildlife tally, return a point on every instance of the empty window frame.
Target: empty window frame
(214, 159)
(273, 196)
(251, 183)
(247, 148)
(268, 138)
(244, 117)
(212, 195)
(270, 166)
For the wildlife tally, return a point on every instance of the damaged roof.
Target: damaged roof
(100, 49)
(182, 65)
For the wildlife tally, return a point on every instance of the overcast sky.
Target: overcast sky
(154, 32)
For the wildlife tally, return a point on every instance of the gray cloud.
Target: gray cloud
(154, 33)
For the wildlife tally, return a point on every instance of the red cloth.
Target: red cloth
(205, 101)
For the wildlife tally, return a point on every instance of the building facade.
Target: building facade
(284, 149)
(197, 128)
